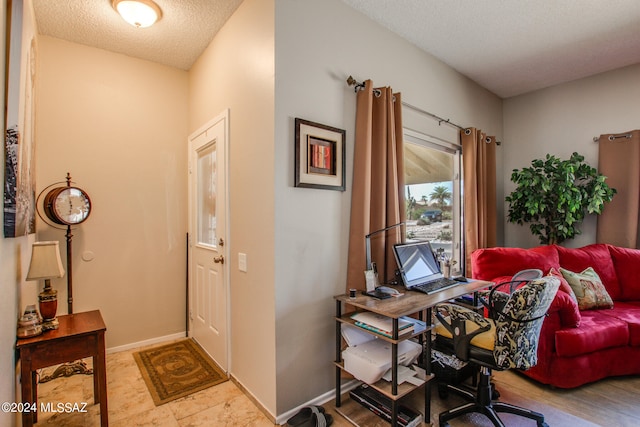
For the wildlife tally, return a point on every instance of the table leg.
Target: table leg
(34, 394)
(100, 377)
(28, 388)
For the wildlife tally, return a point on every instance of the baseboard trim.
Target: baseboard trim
(320, 400)
(253, 399)
(148, 342)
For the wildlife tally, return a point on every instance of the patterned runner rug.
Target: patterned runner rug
(176, 370)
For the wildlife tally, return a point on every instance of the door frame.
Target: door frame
(224, 117)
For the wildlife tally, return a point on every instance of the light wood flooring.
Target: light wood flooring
(610, 402)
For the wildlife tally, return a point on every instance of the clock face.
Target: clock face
(67, 205)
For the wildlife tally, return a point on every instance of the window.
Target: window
(433, 193)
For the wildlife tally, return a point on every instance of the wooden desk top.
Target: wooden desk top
(76, 324)
(412, 301)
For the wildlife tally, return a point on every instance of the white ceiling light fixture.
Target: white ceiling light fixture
(139, 13)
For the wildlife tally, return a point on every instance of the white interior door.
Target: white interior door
(208, 275)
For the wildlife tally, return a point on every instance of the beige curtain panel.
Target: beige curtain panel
(377, 197)
(619, 161)
(479, 174)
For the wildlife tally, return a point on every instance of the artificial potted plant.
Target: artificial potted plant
(553, 196)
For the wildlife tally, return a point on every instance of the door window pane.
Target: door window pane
(206, 195)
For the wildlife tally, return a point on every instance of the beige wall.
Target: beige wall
(237, 72)
(562, 119)
(318, 45)
(119, 126)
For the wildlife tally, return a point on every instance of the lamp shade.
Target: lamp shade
(45, 261)
(139, 13)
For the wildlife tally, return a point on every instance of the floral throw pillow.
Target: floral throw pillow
(588, 288)
(564, 285)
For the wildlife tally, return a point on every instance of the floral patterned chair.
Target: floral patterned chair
(509, 340)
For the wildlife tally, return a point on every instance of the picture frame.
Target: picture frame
(319, 156)
(19, 201)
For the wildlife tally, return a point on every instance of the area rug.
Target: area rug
(176, 370)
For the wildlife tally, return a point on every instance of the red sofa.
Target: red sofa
(578, 346)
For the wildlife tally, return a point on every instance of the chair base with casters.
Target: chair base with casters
(481, 402)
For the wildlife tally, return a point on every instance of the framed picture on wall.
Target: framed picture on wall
(319, 156)
(19, 134)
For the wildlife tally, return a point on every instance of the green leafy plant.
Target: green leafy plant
(553, 196)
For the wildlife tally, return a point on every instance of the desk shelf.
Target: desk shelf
(385, 387)
(408, 304)
(419, 328)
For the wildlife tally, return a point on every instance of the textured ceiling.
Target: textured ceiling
(509, 47)
(513, 47)
(185, 30)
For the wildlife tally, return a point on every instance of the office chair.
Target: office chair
(510, 340)
(499, 299)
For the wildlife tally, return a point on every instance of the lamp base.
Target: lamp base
(50, 324)
(48, 303)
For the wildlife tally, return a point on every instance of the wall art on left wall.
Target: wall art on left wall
(19, 179)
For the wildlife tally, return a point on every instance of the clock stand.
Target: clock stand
(65, 206)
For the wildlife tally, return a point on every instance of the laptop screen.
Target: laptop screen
(417, 263)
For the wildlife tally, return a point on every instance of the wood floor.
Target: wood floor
(610, 402)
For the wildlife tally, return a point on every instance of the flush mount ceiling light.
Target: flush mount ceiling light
(139, 13)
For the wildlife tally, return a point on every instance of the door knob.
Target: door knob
(219, 259)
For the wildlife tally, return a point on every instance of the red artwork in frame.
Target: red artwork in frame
(319, 156)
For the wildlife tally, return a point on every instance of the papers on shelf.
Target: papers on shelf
(382, 325)
(405, 374)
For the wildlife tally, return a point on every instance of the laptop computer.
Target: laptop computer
(419, 268)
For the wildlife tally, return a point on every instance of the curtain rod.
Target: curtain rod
(359, 85)
(613, 137)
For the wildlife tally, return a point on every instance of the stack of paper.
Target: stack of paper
(382, 325)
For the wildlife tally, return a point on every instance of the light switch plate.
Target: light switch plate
(242, 262)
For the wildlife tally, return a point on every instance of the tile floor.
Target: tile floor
(130, 403)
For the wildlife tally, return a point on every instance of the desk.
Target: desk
(411, 302)
(79, 335)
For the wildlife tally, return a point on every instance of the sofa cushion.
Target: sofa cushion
(628, 312)
(597, 331)
(596, 256)
(495, 262)
(588, 288)
(627, 265)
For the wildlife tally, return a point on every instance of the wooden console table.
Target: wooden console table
(79, 335)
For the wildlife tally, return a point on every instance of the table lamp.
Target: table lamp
(46, 264)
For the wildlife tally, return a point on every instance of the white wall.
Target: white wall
(318, 45)
(236, 71)
(119, 126)
(562, 119)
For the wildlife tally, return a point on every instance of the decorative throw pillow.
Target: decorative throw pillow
(588, 289)
(564, 285)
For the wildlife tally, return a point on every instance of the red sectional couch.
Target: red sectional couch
(578, 346)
